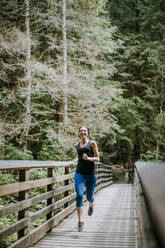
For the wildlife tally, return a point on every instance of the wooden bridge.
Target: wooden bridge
(112, 225)
(121, 217)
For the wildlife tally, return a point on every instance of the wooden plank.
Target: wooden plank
(102, 170)
(50, 173)
(32, 237)
(23, 195)
(28, 220)
(104, 166)
(32, 201)
(29, 164)
(17, 187)
(66, 182)
(100, 182)
(103, 185)
(102, 175)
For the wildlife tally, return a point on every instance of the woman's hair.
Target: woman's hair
(86, 128)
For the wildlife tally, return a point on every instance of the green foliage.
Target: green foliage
(87, 24)
(4, 243)
(127, 177)
(37, 173)
(152, 19)
(8, 221)
(2, 147)
(150, 156)
(13, 153)
(140, 71)
(7, 178)
(97, 5)
(51, 150)
(115, 176)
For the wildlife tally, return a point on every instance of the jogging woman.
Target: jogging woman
(85, 175)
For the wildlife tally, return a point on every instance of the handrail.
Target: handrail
(150, 181)
(57, 197)
(31, 164)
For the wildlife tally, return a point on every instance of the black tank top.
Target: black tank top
(84, 166)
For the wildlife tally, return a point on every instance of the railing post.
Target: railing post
(131, 175)
(107, 175)
(100, 174)
(50, 173)
(110, 174)
(23, 195)
(66, 183)
(97, 174)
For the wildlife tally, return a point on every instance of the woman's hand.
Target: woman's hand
(75, 162)
(73, 165)
(84, 156)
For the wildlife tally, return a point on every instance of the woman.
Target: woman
(87, 154)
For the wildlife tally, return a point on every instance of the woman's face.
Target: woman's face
(83, 132)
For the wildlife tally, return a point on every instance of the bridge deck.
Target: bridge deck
(113, 224)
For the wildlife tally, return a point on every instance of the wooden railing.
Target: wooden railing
(150, 200)
(57, 192)
(131, 175)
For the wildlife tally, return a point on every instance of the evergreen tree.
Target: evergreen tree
(90, 45)
(141, 24)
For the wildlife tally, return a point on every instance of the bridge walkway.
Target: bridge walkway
(113, 224)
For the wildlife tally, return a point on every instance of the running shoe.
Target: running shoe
(80, 226)
(90, 211)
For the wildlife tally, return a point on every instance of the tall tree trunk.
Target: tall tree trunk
(129, 165)
(27, 121)
(160, 119)
(65, 66)
(137, 12)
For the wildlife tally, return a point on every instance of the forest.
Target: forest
(71, 63)
(68, 63)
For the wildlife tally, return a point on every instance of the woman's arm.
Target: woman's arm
(76, 158)
(96, 157)
(75, 161)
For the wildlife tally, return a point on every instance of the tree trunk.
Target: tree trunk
(129, 157)
(27, 120)
(160, 120)
(137, 17)
(65, 66)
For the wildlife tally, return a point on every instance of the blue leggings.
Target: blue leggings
(84, 180)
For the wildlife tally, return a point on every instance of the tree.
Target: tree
(141, 25)
(92, 97)
(27, 121)
(65, 65)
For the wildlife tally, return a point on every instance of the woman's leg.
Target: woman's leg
(79, 213)
(79, 187)
(90, 187)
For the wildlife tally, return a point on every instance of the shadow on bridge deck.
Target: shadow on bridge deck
(113, 224)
